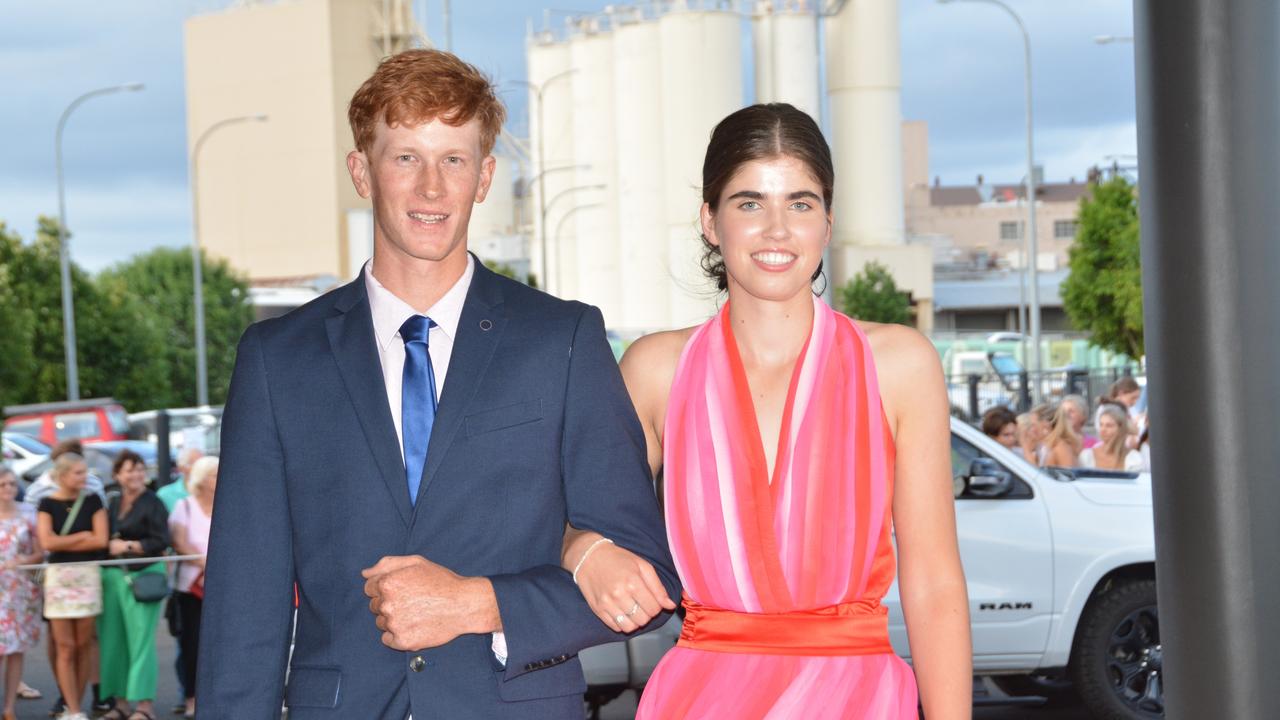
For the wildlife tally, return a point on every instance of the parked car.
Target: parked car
(197, 427)
(98, 419)
(1060, 567)
(998, 378)
(22, 452)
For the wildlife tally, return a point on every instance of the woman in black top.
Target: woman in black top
(72, 525)
(139, 529)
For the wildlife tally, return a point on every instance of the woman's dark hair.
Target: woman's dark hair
(1124, 385)
(994, 420)
(761, 132)
(124, 458)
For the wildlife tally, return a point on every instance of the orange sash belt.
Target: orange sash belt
(856, 628)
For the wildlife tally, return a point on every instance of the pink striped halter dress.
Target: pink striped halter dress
(783, 578)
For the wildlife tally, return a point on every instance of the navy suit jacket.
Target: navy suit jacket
(534, 429)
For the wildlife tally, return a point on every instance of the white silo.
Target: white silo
(864, 82)
(701, 65)
(786, 54)
(551, 76)
(642, 223)
(589, 261)
(497, 214)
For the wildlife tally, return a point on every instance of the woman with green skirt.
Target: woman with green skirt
(127, 626)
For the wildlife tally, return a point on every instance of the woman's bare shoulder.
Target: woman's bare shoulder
(656, 353)
(898, 348)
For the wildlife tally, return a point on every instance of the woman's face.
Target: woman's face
(1130, 398)
(8, 488)
(771, 227)
(1008, 435)
(132, 476)
(208, 486)
(73, 478)
(1076, 415)
(1108, 428)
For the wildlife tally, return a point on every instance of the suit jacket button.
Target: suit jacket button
(417, 663)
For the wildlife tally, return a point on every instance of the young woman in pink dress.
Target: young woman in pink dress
(796, 445)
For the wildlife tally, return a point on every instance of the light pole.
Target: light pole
(538, 90)
(547, 211)
(1032, 249)
(1109, 39)
(64, 252)
(197, 263)
(572, 211)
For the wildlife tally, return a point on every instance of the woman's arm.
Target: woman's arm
(84, 541)
(612, 579)
(931, 580)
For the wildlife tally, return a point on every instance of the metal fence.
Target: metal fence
(973, 394)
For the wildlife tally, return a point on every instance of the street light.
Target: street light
(1109, 39)
(197, 264)
(547, 211)
(64, 252)
(1032, 249)
(538, 90)
(560, 224)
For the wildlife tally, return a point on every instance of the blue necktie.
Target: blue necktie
(417, 399)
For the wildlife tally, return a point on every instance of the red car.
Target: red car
(88, 420)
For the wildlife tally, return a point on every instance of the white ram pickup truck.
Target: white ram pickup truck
(1060, 567)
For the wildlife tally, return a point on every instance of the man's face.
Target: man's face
(423, 181)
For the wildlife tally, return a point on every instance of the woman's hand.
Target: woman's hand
(117, 547)
(621, 587)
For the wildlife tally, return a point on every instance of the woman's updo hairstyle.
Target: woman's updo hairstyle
(761, 132)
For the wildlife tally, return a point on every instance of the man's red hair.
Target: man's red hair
(418, 86)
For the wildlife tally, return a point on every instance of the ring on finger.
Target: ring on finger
(634, 609)
(620, 618)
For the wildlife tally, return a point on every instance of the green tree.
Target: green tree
(507, 271)
(873, 295)
(162, 284)
(1103, 291)
(118, 351)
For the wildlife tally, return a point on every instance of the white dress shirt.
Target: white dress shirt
(389, 313)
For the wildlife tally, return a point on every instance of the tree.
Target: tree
(506, 270)
(162, 283)
(873, 295)
(1103, 291)
(118, 348)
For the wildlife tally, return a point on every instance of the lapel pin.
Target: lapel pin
(486, 325)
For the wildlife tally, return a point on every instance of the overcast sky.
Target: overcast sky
(125, 155)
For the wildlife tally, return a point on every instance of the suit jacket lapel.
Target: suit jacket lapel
(479, 330)
(354, 347)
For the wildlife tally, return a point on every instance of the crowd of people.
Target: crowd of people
(101, 619)
(1055, 435)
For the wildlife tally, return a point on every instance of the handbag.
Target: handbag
(148, 587)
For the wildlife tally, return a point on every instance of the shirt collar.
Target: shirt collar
(390, 312)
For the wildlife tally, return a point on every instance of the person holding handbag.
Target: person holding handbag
(72, 525)
(132, 594)
(189, 527)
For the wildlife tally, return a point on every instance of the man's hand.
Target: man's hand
(419, 604)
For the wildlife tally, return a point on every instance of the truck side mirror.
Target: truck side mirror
(987, 479)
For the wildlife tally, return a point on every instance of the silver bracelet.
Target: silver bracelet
(584, 557)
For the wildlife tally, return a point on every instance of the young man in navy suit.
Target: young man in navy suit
(407, 451)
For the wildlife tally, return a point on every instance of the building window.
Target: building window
(1010, 231)
(1064, 229)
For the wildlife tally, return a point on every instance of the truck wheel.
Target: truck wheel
(1054, 687)
(1117, 664)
